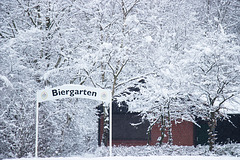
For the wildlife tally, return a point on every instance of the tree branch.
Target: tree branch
(224, 100)
(132, 79)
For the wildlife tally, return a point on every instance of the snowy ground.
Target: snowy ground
(165, 152)
(142, 158)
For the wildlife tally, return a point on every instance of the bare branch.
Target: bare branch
(90, 77)
(108, 63)
(224, 100)
(211, 67)
(135, 3)
(120, 70)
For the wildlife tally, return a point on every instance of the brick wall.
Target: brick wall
(182, 133)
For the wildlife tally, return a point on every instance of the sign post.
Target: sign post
(36, 140)
(74, 91)
(110, 126)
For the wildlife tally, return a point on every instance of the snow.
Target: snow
(113, 45)
(107, 45)
(130, 19)
(140, 158)
(148, 39)
(6, 81)
(232, 106)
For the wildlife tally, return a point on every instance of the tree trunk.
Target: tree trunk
(211, 131)
(105, 126)
(170, 138)
(162, 130)
(149, 134)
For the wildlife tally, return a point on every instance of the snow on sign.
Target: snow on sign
(74, 91)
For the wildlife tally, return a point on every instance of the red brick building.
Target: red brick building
(183, 134)
(126, 134)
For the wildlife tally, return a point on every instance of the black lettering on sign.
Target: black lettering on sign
(72, 93)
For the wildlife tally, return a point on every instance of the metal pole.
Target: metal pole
(36, 140)
(110, 128)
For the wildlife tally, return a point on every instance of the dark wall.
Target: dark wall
(124, 130)
(200, 133)
(227, 131)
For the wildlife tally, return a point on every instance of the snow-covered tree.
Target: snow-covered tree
(41, 53)
(182, 49)
(214, 77)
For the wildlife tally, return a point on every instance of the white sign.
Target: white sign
(74, 91)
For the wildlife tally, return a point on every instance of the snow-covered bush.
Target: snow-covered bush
(167, 150)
